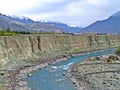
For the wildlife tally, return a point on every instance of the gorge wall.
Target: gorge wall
(14, 49)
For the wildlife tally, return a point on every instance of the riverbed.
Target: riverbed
(53, 77)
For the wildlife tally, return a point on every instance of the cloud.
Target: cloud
(72, 12)
(49, 6)
(15, 6)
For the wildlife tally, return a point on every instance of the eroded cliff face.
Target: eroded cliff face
(48, 46)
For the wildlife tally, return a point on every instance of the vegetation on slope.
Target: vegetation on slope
(12, 33)
(118, 50)
(9, 32)
(6, 33)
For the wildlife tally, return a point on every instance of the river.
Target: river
(52, 78)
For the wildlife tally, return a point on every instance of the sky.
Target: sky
(72, 12)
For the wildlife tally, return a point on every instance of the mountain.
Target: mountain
(43, 26)
(110, 25)
(6, 22)
(26, 24)
(65, 27)
(24, 20)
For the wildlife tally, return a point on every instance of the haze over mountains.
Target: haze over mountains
(110, 25)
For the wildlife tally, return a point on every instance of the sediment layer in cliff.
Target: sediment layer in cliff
(49, 46)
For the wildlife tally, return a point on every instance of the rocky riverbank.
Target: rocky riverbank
(17, 77)
(24, 72)
(97, 73)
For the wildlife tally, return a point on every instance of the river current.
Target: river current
(51, 77)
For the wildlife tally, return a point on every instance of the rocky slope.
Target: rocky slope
(97, 73)
(48, 46)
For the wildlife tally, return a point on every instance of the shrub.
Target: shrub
(109, 60)
(104, 82)
(97, 58)
(118, 50)
(12, 33)
(113, 57)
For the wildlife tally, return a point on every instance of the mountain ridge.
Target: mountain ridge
(109, 25)
(26, 24)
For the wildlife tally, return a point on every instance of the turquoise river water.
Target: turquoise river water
(51, 77)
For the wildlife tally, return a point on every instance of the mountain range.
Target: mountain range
(109, 25)
(26, 24)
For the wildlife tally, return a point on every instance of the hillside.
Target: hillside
(6, 22)
(65, 27)
(110, 25)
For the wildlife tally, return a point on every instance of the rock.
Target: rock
(29, 75)
(63, 74)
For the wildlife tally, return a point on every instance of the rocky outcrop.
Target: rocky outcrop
(49, 46)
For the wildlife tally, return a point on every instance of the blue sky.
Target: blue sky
(73, 12)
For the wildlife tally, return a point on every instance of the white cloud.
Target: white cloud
(16, 6)
(72, 12)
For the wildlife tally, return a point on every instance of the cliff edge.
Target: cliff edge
(50, 46)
